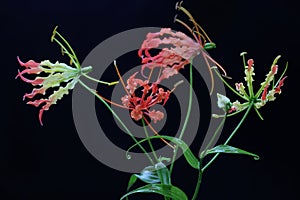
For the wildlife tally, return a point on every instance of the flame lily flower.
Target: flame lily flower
(151, 95)
(179, 49)
(265, 93)
(57, 73)
(53, 75)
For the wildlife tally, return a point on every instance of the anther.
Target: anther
(175, 18)
(178, 5)
(53, 33)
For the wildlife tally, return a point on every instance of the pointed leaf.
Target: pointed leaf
(131, 181)
(230, 149)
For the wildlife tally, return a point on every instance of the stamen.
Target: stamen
(175, 18)
(190, 17)
(151, 71)
(178, 5)
(196, 25)
(215, 62)
(111, 102)
(120, 77)
(156, 133)
(176, 85)
(186, 26)
(211, 75)
(53, 33)
(203, 32)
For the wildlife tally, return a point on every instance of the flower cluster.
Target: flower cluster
(265, 93)
(54, 80)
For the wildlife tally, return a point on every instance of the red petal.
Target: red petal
(38, 102)
(277, 89)
(37, 81)
(250, 63)
(30, 71)
(274, 69)
(264, 94)
(29, 64)
(34, 92)
(45, 107)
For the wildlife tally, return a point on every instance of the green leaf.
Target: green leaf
(163, 173)
(188, 154)
(131, 181)
(230, 149)
(166, 190)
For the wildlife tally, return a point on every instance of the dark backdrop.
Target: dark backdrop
(50, 162)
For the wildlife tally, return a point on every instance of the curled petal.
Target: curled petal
(136, 114)
(250, 63)
(125, 101)
(45, 107)
(240, 88)
(179, 51)
(30, 71)
(133, 83)
(36, 81)
(34, 92)
(274, 69)
(39, 102)
(264, 94)
(281, 82)
(30, 64)
(156, 115)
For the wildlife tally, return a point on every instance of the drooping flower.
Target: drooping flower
(176, 49)
(180, 51)
(54, 75)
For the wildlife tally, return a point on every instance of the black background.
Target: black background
(50, 162)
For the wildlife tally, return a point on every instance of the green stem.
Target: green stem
(149, 141)
(187, 116)
(118, 118)
(214, 136)
(152, 149)
(98, 81)
(199, 180)
(258, 113)
(232, 134)
(233, 90)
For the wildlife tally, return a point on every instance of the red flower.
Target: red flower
(180, 51)
(141, 105)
